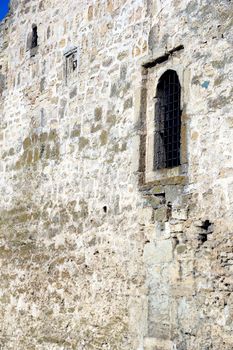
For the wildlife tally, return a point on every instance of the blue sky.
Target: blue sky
(3, 8)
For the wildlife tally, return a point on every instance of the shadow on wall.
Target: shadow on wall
(4, 8)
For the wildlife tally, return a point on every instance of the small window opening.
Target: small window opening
(71, 63)
(74, 59)
(105, 209)
(206, 225)
(167, 121)
(207, 228)
(34, 37)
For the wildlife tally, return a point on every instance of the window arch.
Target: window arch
(167, 121)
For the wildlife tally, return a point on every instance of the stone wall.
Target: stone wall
(93, 256)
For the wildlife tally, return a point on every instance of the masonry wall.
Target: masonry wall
(93, 256)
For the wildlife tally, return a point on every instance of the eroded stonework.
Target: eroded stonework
(96, 253)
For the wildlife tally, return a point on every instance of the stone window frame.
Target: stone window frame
(70, 59)
(152, 71)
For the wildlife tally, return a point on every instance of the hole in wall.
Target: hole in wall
(34, 42)
(105, 209)
(160, 194)
(42, 150)
(207, 227)
(175, 241)
(169, 210)
(202, 237)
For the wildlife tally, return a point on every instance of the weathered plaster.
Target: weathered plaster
(93, 256)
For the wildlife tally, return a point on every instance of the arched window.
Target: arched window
(167, 121)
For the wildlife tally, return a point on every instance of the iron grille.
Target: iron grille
(167, 121)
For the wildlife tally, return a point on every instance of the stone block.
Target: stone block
(159, 252)
(179, 214)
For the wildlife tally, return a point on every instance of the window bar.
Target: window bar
(168, 119)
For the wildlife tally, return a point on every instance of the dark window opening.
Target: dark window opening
(206, 225)
(207, 228)
(34, 37)
(74, 58)
(167, 121)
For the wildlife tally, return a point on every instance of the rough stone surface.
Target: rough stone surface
(92, 257)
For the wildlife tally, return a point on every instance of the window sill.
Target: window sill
(181, 180)
(165, 173)
(33, 51)
(165, 177)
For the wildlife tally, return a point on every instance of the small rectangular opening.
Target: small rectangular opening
(71, 62)
(34, 37)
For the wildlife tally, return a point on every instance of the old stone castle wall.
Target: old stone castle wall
(97, 252)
